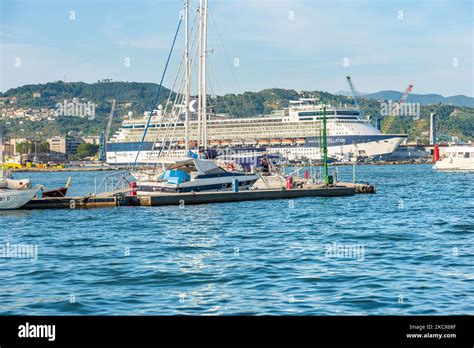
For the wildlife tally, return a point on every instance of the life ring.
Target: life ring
(230, 167)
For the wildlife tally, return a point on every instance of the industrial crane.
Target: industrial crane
(105, 135)
(355, 94)
(389, 121)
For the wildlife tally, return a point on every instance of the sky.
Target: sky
(252, 44)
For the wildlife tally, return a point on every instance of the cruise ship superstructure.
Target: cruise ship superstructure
(294, 133)
(178, 127)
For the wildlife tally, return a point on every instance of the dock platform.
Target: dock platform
(159, 199)
(162, 199)
(81, 202)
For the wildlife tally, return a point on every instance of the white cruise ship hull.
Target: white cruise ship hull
(371, 146)
(379, 148)
(295, 134)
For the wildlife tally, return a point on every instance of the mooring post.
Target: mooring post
(353, 172)
(325, 150)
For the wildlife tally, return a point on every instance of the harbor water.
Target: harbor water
(408, 249)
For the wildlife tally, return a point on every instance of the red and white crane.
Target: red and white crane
(389, 121)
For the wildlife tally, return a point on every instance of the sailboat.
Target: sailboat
(191, 173)
(14, 193)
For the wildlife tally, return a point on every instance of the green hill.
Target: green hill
(137, 96)
(424, 99)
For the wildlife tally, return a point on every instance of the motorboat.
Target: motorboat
(456, 158)
(192, 174)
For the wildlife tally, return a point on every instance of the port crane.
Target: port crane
(389, 121)
(355, 94)
(105, 135)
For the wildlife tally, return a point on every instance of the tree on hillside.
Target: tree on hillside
(24, 147)
(87, 150)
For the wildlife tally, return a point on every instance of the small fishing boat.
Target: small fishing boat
(15, 193)
(59, 192)
(14, 199)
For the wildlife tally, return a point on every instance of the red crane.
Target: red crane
(389, 121)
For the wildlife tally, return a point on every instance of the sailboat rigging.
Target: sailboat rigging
(190, 173)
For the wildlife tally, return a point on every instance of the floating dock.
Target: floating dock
(81, 202)
(161, 199)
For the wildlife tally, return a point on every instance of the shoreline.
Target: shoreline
(104, 169)
(72, 169)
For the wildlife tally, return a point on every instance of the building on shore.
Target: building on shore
(72, 143)
(8, 150)
(66, 145)
(57, 144)
(91, 139)
(16, 141)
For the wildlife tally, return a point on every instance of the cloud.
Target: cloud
(149, 42)
(283, 43)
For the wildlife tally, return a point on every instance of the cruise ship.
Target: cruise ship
(294, 133)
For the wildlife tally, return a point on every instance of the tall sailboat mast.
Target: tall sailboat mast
(187, 73)
(200, 9)
(202, 98)
(204, 91)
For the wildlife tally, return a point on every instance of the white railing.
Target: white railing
(112, 183)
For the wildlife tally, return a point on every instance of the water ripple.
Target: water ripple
(406, 250)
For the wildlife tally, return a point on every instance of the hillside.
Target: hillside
(424, 99)
(136, 97)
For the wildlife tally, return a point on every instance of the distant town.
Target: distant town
(54, 150)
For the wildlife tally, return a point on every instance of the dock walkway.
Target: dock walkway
(161, 199)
